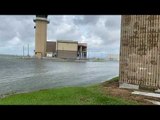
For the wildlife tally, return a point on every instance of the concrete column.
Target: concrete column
(40, 36)
(81, 51)
(140, 51)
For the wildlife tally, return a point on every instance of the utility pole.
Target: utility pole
(28, 50)
(23, 51)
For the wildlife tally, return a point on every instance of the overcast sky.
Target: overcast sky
(101, 33)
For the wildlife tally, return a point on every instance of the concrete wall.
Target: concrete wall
(82, 50)
(67, 54)
(67, 46)
(140, 50)
(51, 46)
(67, 49)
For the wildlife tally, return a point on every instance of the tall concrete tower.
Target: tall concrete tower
(40, 35)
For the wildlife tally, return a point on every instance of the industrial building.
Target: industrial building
(140, 51)
(66, 49)
(82, 50)
(60, 49)
(51, 49)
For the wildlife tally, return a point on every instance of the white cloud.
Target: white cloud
(14, 41)
(100, 32)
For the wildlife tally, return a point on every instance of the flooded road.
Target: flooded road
(23, 75)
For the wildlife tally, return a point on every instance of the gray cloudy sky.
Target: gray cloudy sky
(101, 33)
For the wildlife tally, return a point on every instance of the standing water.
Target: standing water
(23, 75)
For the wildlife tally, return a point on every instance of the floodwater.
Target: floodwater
(24, 75)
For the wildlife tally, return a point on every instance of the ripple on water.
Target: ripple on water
(28, 75)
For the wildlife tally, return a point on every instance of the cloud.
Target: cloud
(113, 22)
(86, 20)
(15, 32)
(14, 41)
(101, 32)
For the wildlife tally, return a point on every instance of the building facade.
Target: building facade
(66, 49)
(140, 51)
(82, 50)
(51, 49)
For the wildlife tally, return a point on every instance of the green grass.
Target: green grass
(115, 79)
(91, 95)
(111, 81)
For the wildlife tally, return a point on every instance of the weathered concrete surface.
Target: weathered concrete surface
(128, 86)
(153, 101)
(157, 95)
(158, 90)
(140, 50)
(40, 36)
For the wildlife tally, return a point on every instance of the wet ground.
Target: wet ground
(23, 75)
